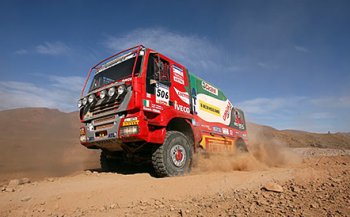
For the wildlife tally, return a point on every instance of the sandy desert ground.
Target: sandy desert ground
(287, 173)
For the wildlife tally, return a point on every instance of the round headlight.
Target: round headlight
(121, 89)
(91, 98)
(102, 94)
(85, 100)
(111, 91)
(80, 103)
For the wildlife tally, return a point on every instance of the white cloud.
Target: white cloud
(322, 115)
(269, 105)
(332, 102)
(71, 83)
(60, 92)
(301, 49)
(194, 52)
(316, 115)
(52, 48)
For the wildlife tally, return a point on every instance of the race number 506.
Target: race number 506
(163, 94)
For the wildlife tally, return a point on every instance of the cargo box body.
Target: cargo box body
(220, 122)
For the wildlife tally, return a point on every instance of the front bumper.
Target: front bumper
(102, 133)
(112, 132)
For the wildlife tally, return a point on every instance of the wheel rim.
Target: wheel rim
(178, 155)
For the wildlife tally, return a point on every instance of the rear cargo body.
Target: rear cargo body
(220, 123)
(141, 104)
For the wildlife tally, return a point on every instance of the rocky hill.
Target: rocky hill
(41, 141)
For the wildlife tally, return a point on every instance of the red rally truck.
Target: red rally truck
(145, 107)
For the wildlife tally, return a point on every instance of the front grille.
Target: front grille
(104, 108)
(105, 119)
(105, 126)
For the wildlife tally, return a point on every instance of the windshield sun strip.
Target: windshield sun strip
(116, 61)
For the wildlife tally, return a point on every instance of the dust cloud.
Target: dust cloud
(225, 162)
(269, 149)
(38, 142)
(265, 151)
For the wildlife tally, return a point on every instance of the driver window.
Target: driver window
(158, 70)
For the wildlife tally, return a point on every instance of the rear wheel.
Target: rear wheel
(241, 146)
(174, 157)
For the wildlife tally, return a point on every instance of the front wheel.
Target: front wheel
(174, 157)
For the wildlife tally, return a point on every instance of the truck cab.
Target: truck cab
(142, 106)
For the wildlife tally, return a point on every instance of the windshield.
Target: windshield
(117, 72)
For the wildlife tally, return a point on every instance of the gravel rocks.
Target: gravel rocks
(14, 183)
(319, 187)
(271, 186)
(25, 199)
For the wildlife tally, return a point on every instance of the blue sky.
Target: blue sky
(286, 63)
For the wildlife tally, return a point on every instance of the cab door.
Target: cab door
(157, 83)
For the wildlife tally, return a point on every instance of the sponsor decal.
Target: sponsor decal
(148, 106)
(162, 94)
(90, 139)
(184, 96)
(151, 109)
(146, 103)
(210, 88)
(130, 121)
(178, 70)
(240, 126)
(114, 62)
(126, 79)
(225, 131)
(178, 75)
(217, 129)
(179, 79)
(209, 108)
(231, 132)
(111, 135)
(227, 111)
(238, 120)
(206, 126)
(158, 107)
(181, 107)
